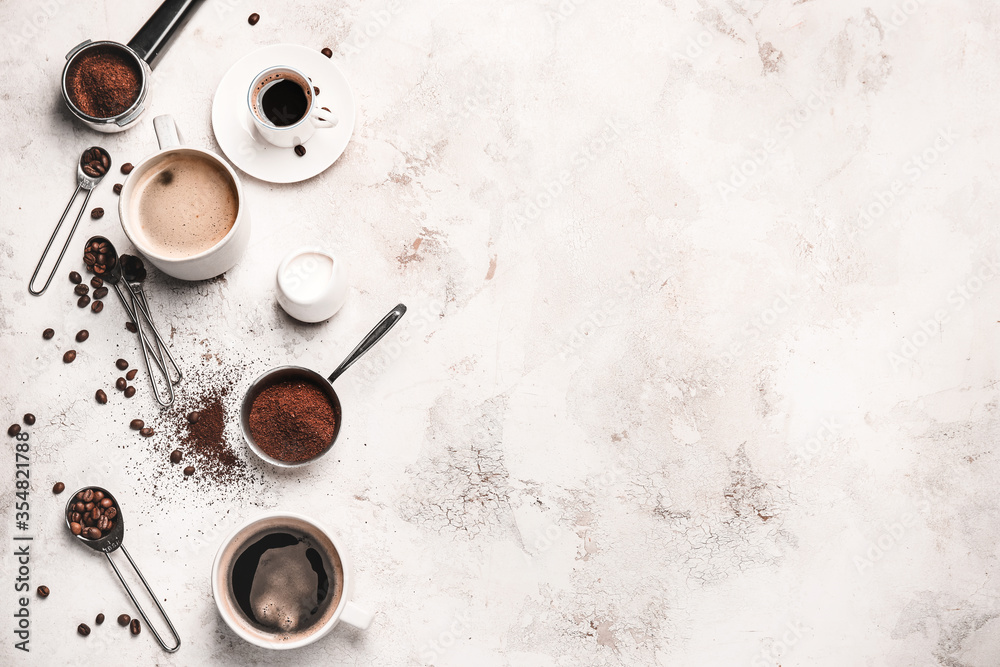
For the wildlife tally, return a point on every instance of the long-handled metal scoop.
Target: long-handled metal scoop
(134, 273)
(112, 541)
(93, 165)
(100, 255)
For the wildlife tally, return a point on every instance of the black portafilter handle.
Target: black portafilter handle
(156, 32)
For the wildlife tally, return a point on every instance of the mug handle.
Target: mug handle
(356, 616)
(166, 132)
(326, 121)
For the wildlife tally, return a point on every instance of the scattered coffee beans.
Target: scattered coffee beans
(129, 392)
(100, 292)
(75, 278)
(82, 335)
(83, 301)
(127, 168)
(326, 52)
(131, 374)
(29, 419)
(81, 289)
(97, 213)
(97, 283)
(90, 516)
(315, 90)
(13, 430)
(124, 619)
(193, 417)
(121, 364)
(300, 150)
(58, 487)
(101, 396)
(130, 327)
(99, 619)
(69, 357)
(189, 471)
(43, 591)
(117, 189)
(135, 627)
(136, 424)
(97, 306)
(146, 432)
(253, 18)
(176, 456)
(120, 385)
(48, 334)
(83, 629)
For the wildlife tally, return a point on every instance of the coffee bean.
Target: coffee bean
(193, 417)
(99, 619)
(92, 533)
(117, 189)
(101, 396)
(136, 424)
(98, 496)
(90, 171)
(146, 432)
(75, 278)
(97, 306)
(127, 168)
(315, 90)
(106, 503)
(103, 523)
(129, 392)
(120, 385)
(83, 629)
(58, 487)
(189, 470)
(75, 527)
(43, 591)
(75, 516)
(100, 292)
(176, 456)
(326, 52)
(89, 506)
(121, 364)
(300, 150)
(87, 522)
(111, 512)
(83, 301)
(81, 289)
(97, 213)
(253, 18)
(324, 108)
(88, 495)
(135, 627)
(13, 430)
(89, 258)
(48, 334)
(69, 357)
(124, 619)
(96, 283)
(95, 513)
(131, 374)
(82, 335)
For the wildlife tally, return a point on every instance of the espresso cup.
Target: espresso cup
(280, 581)
(184, 209)
(283, 107)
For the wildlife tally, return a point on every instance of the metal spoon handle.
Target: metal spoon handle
(159, 349)
(156, 601)
(374, 336)
(157, 30)
(168, 399)
(55, 232)
(141, 308)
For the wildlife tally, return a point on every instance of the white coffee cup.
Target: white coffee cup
(299, 131)
(206, 264)
(345, 611)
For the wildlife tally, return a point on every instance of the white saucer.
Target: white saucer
(238, 137)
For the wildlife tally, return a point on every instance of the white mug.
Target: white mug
(209, 263)
(301, 129)
(345, 611)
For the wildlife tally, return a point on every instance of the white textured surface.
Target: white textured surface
(652, 421)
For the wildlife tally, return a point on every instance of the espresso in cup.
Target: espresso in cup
(184, 204)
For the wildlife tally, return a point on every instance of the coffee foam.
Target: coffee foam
(183, 205)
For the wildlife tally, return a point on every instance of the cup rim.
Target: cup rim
(268, 124)
(327, 626)
(126, 196)
(302, 251)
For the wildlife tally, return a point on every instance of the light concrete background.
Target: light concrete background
(700, 363)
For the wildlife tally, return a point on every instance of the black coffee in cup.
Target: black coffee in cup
(284, 102)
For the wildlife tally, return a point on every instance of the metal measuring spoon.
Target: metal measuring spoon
(93, 165)
(101, 257)
(112, 541)
(283, 373)
(134, 273)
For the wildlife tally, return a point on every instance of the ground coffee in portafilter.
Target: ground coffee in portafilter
(104, 82)
(292, 421)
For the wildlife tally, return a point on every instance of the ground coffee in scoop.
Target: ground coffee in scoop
(292, 421)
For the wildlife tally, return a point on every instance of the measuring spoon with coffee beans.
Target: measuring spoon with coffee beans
(93, 165)
(295, 374)
(102, 528)
(101, 257)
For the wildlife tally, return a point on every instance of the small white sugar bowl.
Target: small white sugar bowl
(312, 284)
